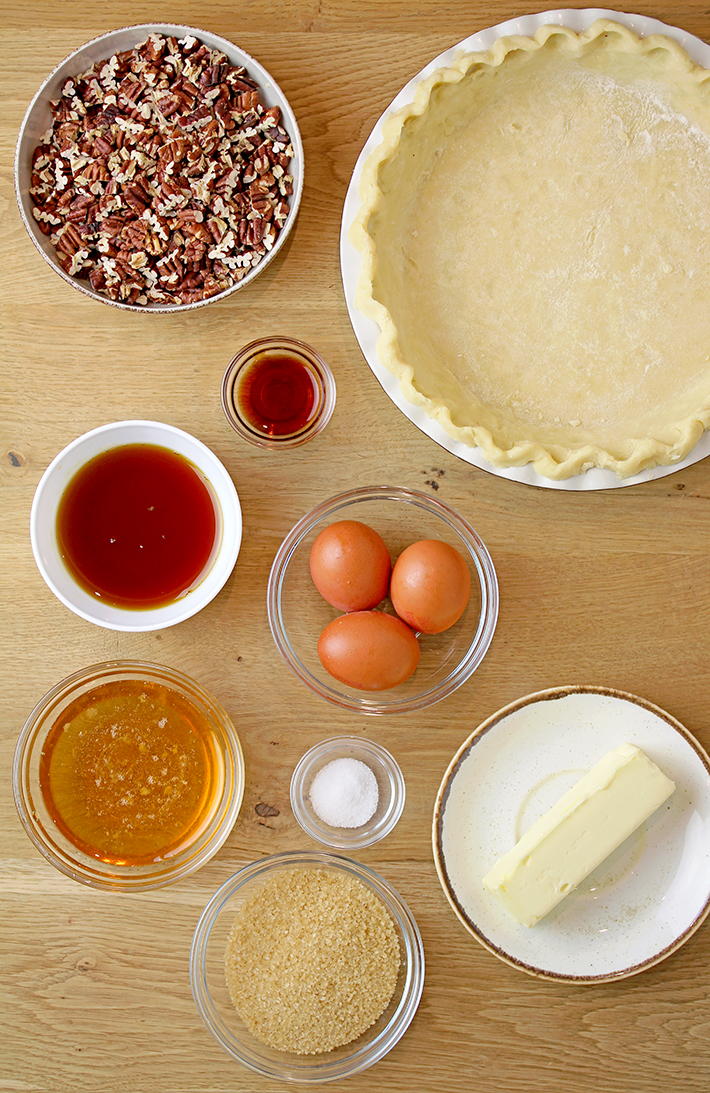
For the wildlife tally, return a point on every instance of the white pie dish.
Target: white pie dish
(638, 906)
(367, 331)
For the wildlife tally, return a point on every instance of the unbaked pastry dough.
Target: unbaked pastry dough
(535, 239)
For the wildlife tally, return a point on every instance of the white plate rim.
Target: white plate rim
(490, 723)
(366, 330)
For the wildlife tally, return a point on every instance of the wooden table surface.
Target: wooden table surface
(604, 588)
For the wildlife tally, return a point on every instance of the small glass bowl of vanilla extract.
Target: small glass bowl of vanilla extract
(278, 393)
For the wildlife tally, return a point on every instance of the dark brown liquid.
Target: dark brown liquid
(137, 526)
(278, 395)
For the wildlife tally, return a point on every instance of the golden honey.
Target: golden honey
(130, 772)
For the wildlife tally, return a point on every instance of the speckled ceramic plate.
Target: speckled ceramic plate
(635, 909)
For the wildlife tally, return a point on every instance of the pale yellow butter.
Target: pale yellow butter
(578, 833)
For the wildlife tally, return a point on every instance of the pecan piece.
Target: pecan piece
(163, 179)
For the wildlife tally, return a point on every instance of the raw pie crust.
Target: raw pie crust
(535, 239)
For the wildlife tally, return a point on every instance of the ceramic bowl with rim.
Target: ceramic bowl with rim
(209, 987)
(390, 785)
(224, 764)
(290, 413)
(43, 525)
(38, 120)
(298, 614)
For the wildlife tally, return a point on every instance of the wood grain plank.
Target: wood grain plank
(606, 588)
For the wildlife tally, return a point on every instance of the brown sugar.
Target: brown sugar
(312, 960)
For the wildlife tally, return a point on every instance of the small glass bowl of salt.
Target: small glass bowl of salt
(347, 792)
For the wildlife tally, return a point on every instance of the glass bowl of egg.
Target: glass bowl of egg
(382, 600)
(128, 776)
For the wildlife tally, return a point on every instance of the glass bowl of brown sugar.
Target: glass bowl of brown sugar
(307, 967)
(128, 776)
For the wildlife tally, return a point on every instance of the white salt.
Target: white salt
(344, 793)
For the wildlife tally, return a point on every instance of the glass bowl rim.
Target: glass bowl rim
(488, 586)
(319, 365)
(232, 796)
(318, 829)
(412, 957)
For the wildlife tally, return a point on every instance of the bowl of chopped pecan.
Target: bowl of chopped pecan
(159, 168)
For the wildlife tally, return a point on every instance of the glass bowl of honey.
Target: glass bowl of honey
(128, 776)
(278, 393)
(136, 525)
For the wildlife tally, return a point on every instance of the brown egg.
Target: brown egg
(430, 586)
(368, 650)
(350, 565)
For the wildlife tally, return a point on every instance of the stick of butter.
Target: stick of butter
(578, 833)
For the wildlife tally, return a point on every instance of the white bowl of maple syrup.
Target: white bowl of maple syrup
(128, 776)
(136, 526)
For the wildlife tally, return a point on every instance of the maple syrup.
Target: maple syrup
(137, 526)
(131, 773)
